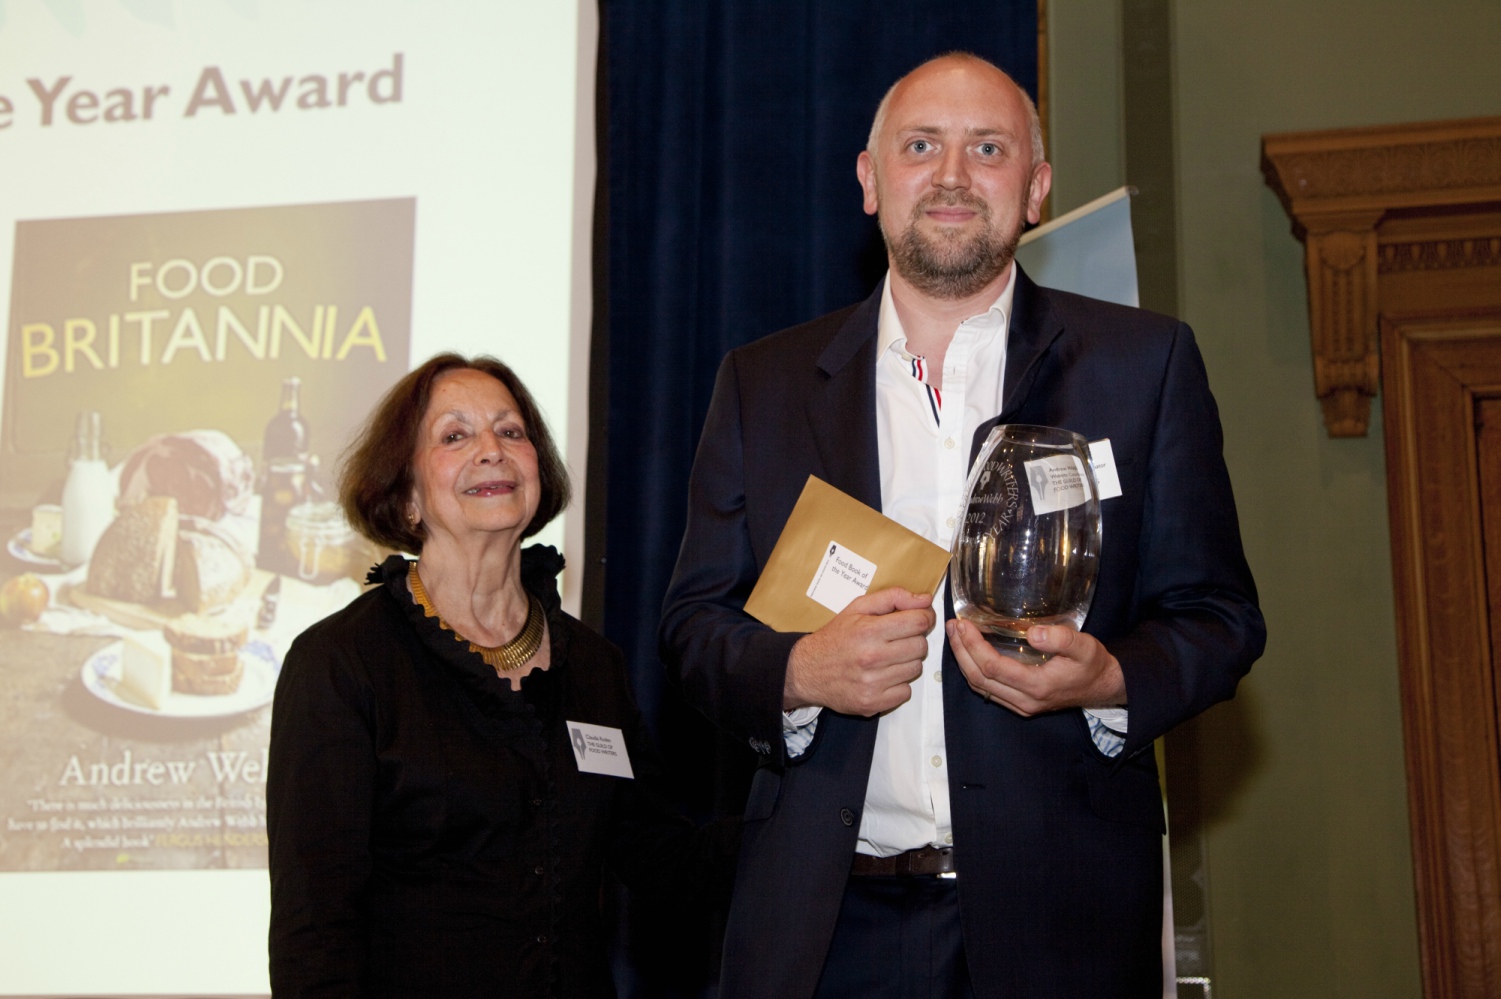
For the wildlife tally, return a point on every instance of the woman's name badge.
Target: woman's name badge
(600, 749)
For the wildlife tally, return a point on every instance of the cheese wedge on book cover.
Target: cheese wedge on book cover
(145, 675)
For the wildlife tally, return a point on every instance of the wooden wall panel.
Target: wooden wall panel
(1402, 233)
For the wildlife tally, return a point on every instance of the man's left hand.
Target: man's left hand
(1081, 674)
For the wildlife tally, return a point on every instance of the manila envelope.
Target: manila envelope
(835, 546)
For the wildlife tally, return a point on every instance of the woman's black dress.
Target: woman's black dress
(430, 831)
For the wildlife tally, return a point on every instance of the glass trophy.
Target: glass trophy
(1028, 545)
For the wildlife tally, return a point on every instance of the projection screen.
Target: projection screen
(213, 214)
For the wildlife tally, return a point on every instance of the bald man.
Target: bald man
(930, 817)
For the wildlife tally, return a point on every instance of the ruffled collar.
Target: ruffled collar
(540, 565)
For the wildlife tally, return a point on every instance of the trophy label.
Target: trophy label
(1058, 483)
(841, 577)
(1102, 460)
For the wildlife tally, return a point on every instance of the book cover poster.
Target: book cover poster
(178, 391)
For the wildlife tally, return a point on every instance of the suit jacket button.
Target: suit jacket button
(846, 816)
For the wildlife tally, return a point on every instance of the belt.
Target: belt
(925, 860)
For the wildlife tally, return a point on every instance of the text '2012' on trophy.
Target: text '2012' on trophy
(1028, 543)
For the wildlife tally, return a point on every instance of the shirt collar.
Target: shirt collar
(889, 332)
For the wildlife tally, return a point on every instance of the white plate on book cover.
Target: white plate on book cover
(19, 547)
(101, 675)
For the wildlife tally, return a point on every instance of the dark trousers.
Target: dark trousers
(897, 937)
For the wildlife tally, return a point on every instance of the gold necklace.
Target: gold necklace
(501, 658)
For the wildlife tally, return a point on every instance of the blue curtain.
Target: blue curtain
(732, 210)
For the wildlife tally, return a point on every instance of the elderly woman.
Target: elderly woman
(434, 829)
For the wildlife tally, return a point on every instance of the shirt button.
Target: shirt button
(950, 522)
(948, 442)
(938, 676)
(938, 761)
(948, 838)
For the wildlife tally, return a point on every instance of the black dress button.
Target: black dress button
(539, 869)
(542, 938)
(846, 816)
(536, 802)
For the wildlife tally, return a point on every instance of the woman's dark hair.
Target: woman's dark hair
(375, 484)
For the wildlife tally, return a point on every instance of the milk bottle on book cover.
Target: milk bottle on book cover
(88, 493)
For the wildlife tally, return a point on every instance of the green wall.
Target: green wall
(1085, 140)
(1306, 832)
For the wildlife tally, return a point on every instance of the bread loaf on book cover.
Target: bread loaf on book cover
(212, 569)
(134, 557)
(206, 653)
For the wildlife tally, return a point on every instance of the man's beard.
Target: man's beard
(952, 265)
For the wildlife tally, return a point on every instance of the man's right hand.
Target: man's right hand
(862, 662)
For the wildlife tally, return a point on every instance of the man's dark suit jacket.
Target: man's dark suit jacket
(1058, 847)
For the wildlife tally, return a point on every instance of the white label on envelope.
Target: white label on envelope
(600, 749)
(841, 577)
(1106, 478)
(1057, 482)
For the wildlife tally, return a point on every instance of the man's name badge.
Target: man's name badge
(1102, 460)
(600, 749)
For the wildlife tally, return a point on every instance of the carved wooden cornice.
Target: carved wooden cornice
(1338, 186)
(1439, 254)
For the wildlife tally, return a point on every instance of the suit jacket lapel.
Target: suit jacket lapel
(1034, 327)
(842, 412)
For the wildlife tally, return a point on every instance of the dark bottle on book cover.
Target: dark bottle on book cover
(287, 432)
(284, 477)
